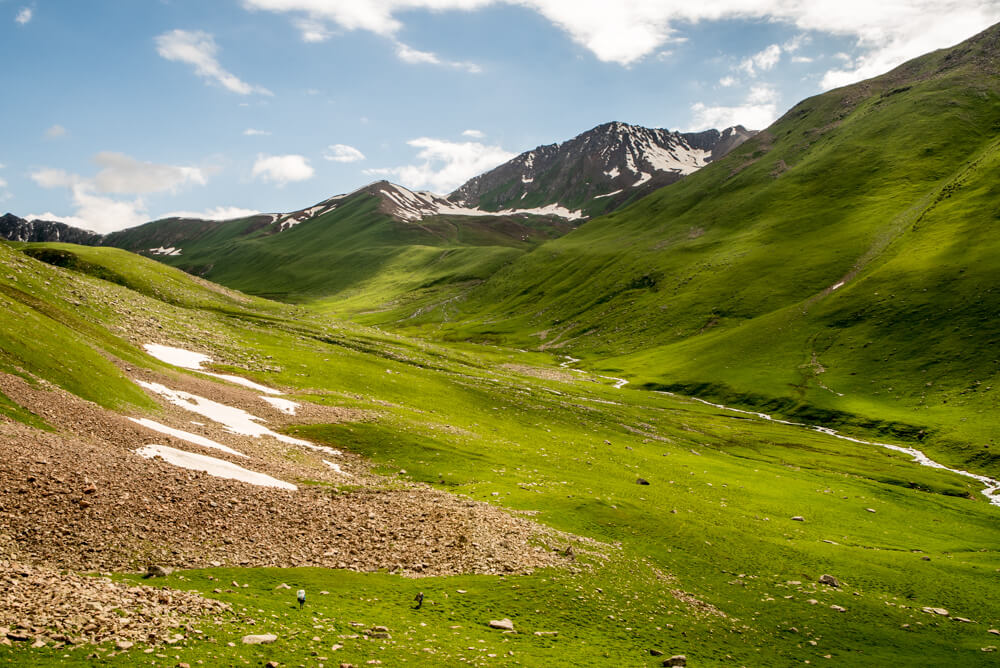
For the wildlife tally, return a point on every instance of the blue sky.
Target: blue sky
(117, 112)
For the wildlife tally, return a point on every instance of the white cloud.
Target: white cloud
(444, 165)
(416, 57)
(801, 59)
(756, 112)
(762, 61)
(473, 134)
(198, 48)
(119, 174)
(728, 82)
(251, 132)
(100, 214)
(628, 30)
(55, 132)
(55, 178)
(343, 153)
(124, 174)
(282, 169)
(215, 213)
(24, 15)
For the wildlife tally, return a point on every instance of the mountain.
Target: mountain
(13, 228)
(838, 267)
(598, 170)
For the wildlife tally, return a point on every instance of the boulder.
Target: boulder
(829, 580)
(935, 611)
(259, 639)
(798, 518)
(641, 481)
(157, 571)
(676, 660)
(502, 624)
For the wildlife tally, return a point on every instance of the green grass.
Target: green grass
(570, 453)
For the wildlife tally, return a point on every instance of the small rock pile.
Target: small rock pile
(44, 606)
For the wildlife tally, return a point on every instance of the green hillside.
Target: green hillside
(356, 254)
(837, 267)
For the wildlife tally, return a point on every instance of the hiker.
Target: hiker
(419, 598)
(301, 595)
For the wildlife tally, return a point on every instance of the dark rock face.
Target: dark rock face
(13, 228)
(598, 170)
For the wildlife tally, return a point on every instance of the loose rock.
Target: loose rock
(260, 639)
(676, 660)
(502, 624)
(829, 580)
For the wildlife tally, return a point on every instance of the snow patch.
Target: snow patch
(336, 468)
(185, 436)
(608, 194)
(643, 177)
(165, 251)
(219, 468)
(187, 359)
(283, 405)
(838, 285)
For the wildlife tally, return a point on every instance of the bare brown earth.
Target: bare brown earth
(80, 498)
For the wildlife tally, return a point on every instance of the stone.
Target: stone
(380, 629)
(829, 580)
(838, 608)
(271, 664)
(676, 660)
(925, 558)
(502, 624)
(546, 633)
(124, 645)
(655, 652)
(283, 586)
(259, 639)
(183, 665)
(157, 571)
(798, 518)
(871, 510)
(935, 611)
(641, 481)
(989, 648)
(995, 632)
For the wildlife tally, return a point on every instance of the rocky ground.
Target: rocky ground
(80, 499)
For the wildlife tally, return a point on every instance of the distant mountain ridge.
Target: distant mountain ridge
(14, 228)
(599, 170)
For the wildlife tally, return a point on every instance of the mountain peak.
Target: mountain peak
(598, 170)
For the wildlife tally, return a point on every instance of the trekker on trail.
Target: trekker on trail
(301, 595)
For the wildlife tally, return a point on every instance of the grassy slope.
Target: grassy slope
(364, 258)
(455, 418)
(722, 282)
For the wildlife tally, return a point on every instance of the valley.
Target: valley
(639, 398)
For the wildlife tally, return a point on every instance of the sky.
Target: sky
(117, 112)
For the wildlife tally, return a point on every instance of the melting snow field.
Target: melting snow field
(185, 436)
(336, 468)
(216, 467)
(187, 359)
(235, 420)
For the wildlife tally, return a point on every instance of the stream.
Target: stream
(992, 486)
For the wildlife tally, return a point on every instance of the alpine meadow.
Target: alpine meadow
(638, 397)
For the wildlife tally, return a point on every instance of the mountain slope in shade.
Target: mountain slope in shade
(598, 170)
(14, 228)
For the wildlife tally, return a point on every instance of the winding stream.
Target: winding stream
(992, 486)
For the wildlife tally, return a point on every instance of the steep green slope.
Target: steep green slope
(839, 261)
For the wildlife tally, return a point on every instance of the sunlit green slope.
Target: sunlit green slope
(844, 260)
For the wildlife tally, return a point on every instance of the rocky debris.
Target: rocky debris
(147, 511)
(502, 624)
(43, 604)
(829, 580)
(259, 639)
(935, 611)
(798, 518)
(676, 660)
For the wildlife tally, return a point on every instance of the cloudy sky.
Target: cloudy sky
(116, 113)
